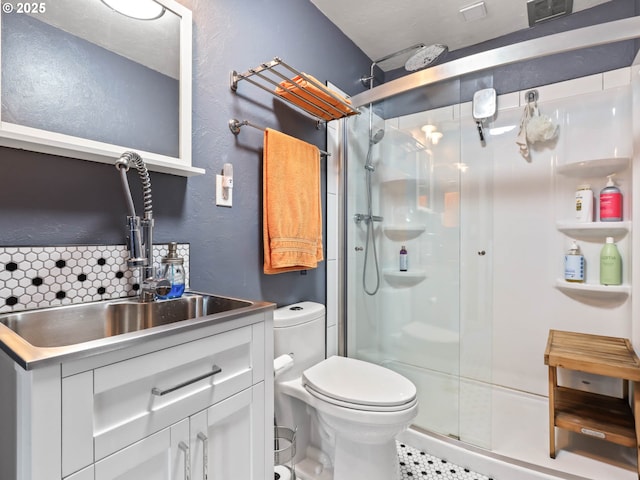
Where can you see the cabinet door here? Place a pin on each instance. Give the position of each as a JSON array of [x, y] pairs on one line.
[[161, 456], [227, 439]]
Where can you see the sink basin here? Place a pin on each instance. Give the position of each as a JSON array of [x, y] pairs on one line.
[[74, 324]]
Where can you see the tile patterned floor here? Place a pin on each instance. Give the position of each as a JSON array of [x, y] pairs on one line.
[[415, 464]]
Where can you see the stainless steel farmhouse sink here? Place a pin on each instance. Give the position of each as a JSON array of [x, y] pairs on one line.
[[72, 329]]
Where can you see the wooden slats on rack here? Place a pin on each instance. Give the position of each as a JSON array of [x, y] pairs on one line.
[[270, 74]]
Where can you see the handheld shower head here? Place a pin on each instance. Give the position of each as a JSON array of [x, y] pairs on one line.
[[375, 138], [425, 57]]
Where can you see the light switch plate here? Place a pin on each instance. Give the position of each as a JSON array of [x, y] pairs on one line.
[[220, 190]]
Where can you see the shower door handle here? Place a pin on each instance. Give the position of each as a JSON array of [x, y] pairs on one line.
[[359, 249]]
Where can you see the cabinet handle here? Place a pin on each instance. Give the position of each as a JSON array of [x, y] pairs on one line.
[[185, 448], [158, 392], [205, 455]]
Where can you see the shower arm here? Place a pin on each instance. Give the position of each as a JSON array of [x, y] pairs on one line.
[[368, 81]]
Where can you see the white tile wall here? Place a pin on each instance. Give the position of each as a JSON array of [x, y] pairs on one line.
[[38, 277]]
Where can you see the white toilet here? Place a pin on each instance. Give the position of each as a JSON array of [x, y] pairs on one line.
[[347, 412]]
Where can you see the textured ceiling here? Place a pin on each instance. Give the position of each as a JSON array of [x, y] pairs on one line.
[[381, 27]]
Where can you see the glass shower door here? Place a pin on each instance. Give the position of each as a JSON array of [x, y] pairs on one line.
[[412, 323], [431, 194]]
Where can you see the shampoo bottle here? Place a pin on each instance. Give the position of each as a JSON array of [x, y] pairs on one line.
[[584, 204], [610, 202], [173, 270], [574, 264], [404, 259], [610, 264]]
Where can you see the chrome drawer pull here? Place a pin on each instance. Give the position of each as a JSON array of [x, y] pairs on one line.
[[158, 392], [187, 459], [205, 455]]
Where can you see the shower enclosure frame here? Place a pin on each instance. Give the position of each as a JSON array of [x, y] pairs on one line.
[[601, 34]]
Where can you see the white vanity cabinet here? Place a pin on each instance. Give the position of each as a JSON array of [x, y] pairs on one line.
[[171, 409]]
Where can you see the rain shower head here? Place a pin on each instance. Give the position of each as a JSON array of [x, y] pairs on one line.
[[368, 81], [425, 57]]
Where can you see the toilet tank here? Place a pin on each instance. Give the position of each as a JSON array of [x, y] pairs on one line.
[[299, 330]]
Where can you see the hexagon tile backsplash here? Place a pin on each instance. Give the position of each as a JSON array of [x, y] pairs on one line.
[[37, 277]]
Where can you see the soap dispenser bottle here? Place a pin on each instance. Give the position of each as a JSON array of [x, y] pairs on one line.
[[173, 270], [610, 264], [610, 202], [574, 264]]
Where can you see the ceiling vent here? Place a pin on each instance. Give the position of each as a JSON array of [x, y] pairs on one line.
[[543, 10]]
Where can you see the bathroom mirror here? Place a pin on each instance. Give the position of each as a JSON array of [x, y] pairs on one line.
[[82, 80]]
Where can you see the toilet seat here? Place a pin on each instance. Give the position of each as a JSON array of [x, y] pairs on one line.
[[352, 383]]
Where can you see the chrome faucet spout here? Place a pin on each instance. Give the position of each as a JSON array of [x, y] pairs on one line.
[[140, 238]]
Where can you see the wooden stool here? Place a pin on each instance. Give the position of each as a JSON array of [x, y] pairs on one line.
[[600, 416]]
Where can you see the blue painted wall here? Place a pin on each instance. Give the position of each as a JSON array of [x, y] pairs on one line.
[[47, 200]]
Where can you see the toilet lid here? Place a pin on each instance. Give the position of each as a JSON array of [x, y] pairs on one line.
[[354, 381]]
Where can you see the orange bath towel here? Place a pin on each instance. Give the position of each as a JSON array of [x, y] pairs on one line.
[[292, 212], [314, 99]]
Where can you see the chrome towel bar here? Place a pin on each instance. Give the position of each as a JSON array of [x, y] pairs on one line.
[[235, 125]]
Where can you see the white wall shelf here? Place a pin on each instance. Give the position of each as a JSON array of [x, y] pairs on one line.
[[401, 232], [593, 230], [593, 290], [399, 279], [600, 167]]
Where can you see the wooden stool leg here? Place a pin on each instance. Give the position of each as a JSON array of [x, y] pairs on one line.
[[553, 382], [636, 416]]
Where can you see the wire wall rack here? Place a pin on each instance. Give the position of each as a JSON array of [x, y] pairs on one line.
[[296, 88]]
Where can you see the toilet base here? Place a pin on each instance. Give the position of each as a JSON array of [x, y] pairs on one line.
[[358, 461]]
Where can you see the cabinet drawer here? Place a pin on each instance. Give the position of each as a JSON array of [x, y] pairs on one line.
[[142, 395]]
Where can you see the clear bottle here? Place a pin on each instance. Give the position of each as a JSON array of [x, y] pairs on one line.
[[584, 204], [173, 270], [404, 259], [610, 264], [610, 202], [574, 265]]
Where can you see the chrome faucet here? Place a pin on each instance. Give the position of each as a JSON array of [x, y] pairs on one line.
[[140, 245]]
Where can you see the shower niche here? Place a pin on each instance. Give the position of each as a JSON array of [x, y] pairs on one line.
[[591, 154], [403, 173]]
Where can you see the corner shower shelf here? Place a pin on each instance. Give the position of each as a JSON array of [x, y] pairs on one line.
[[400, 232], [399, 279], [594, 230], [306, 94], [600, 167], [594, 291]]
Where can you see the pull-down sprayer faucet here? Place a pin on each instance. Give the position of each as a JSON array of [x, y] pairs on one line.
[[140, 245]]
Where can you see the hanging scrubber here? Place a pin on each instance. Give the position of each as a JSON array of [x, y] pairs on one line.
[[534, 127]]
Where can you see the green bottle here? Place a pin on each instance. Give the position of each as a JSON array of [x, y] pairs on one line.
[[610, 264]]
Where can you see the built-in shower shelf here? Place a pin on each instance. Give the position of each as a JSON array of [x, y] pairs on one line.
[[399, 279], [594, 291], [600, 167], [594, 230], [400, 232]]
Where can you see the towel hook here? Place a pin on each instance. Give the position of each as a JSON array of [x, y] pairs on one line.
[[531, 96]]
